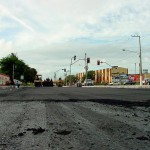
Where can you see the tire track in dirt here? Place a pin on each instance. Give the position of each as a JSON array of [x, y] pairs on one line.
[[119, 133]]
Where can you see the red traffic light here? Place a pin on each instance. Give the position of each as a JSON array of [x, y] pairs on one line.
[[88, 60], [98, 62]]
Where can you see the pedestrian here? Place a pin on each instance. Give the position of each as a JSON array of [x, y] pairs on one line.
[[17, 84]]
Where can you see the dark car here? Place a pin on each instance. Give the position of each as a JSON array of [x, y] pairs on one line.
[[148, 82]]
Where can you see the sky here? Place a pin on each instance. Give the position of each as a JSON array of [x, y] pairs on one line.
[[46, 34]]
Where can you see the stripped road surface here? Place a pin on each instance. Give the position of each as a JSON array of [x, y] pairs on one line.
[[63, 118]]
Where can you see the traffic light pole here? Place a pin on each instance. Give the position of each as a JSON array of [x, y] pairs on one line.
[[70, 67], [13, 71], [140, 56], [86, 69]]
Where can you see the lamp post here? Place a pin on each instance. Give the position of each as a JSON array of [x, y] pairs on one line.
[[140, 68], [13, 71], [74, 57], [66, 77], [86, 69], [140, 56], [57, 71]]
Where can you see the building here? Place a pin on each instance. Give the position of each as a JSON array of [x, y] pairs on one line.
[[147, 76], [4, 79], [117, 71], [106, 75], [79, 76]]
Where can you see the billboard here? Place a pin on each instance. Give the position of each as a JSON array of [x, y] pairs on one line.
[[145, 71], [135, 77]]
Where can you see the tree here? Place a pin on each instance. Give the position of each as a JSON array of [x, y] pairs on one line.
[[13, 65], [29, 74], [90, 75], [73, 79]]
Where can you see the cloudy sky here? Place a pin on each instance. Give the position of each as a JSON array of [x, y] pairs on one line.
[[46, 34]]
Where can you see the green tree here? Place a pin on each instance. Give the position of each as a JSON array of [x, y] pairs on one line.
[[90, 75], [12, 63], [29, 74], [73, 79]]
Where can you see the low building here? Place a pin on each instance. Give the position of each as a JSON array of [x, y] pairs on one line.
[[106, 75], [4, 79], [147, 75], [117, 71]]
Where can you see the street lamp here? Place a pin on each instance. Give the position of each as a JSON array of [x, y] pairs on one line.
[[13, 71], [74, 57], [140, 63], [140, 58], [57, 71]]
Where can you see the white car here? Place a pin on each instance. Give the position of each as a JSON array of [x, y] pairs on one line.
[[88, 82]]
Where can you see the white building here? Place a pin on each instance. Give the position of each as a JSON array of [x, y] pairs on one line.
[[4, 79]]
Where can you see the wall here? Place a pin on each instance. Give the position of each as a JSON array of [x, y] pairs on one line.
[[3, 79]]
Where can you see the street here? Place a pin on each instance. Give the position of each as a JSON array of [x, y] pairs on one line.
[[52, 118]]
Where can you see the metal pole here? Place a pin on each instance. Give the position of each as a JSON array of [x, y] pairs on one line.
[[140, 56], [85, 70], [140, 63], [66, 78], [13, 71], [135, 68], [55, 76], [70, 71]]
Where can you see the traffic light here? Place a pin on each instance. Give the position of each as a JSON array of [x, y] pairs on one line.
[[88, 60], [64, 70], [74, 57], [98, 62]]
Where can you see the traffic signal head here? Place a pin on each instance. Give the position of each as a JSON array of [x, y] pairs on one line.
[[88, 60], [98, 62], [74, 57], [64, 70]]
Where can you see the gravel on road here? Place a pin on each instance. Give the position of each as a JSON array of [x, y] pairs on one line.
[[29, 123]]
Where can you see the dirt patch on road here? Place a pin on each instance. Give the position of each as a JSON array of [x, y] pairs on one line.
[[101, 101]]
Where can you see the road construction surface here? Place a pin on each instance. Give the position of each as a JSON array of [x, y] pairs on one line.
[[74, 118]]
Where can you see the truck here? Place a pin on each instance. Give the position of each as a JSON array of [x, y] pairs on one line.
[[59, 82], [38, 81]]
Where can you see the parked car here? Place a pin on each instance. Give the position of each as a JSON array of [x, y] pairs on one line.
[[130, 82], [111, 83], [88, 82], [146, 82], [114, 83], [79, 84]]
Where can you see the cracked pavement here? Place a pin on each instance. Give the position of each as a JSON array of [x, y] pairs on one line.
[[74, 118]]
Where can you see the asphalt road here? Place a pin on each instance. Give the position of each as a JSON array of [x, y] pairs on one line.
[[74, 118]]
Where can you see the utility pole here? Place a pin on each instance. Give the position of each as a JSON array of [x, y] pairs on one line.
[[70, 72], [13, 71], [70, 67], [86, 68], [135, 68], [55, 76], [140, 56]]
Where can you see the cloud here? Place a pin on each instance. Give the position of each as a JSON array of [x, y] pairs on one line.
[[7, 13], [46, 34], [5, 47]]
